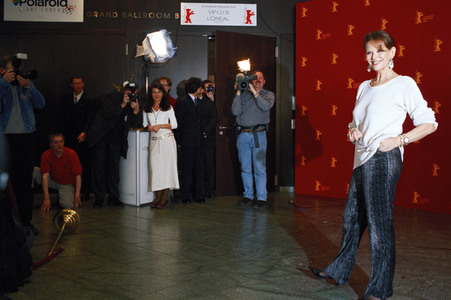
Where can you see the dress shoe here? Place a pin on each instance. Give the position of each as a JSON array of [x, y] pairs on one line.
[[33, 229], [85, 197], [260, 203], [317, 273], [245, 201], [369, 297], [186, 201], [115, 202], [201, 201], [97, 204], [162, 205]]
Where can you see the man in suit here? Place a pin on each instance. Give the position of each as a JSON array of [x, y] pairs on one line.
[[107, 138], [209, 121], [189, 135], [73, 122]]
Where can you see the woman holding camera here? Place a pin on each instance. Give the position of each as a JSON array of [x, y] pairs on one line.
[[159, 119]]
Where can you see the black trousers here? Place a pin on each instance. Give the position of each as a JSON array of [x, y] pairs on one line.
[[84, 155], [370, 204], [105, 157], [21, 165], [193, 173], [210, 169]]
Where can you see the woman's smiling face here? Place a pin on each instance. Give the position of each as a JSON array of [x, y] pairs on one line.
[[378, 55]]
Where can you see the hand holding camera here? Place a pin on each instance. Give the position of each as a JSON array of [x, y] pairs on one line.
[[9, 76], [22, 81], [22, 77]]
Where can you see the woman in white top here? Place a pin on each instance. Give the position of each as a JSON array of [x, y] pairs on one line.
[[159, 119], [376, 131]]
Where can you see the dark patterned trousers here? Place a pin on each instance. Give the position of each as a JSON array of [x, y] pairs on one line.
[[370, 204]]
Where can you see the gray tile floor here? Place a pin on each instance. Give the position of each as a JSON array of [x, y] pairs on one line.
[[222, 251]]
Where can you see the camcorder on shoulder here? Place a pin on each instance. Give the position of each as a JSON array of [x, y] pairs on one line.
[[17, 63], [243, 80]]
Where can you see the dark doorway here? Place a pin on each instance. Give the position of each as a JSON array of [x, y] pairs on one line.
[[230, 48]]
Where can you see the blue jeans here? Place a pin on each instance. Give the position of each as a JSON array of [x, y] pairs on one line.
[[250, 156]]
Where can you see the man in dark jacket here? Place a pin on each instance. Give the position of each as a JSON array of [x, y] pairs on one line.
[[190, 112], [208, 123], [73, 121], [107, 136]]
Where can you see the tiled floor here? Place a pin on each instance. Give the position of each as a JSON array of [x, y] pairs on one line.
[[222, 251]]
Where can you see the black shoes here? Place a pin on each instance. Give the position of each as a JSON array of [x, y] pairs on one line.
[[317, 273], [34, 230], [186, 201], [97, 204], [245, 201], [259, 203], [201, 201], [115, 202], [85, 197]]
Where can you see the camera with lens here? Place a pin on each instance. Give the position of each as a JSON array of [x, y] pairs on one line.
[[243, 81], [17, 63], [132, 87], [210, 88]]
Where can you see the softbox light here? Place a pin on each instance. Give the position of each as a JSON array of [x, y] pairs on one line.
[[157, 47]]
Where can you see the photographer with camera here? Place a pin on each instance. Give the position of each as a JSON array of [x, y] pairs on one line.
[[107, 138], [18, 99], [251, 106]]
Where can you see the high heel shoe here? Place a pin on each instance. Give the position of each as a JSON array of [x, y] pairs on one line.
[[369, 297], [317, 273]]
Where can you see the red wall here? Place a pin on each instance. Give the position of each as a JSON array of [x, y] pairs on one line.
[[330, 64]]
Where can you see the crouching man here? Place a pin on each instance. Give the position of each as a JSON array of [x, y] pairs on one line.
[[60, 170]]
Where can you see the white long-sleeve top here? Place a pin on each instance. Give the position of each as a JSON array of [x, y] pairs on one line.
[[380, 112], [160, 117]]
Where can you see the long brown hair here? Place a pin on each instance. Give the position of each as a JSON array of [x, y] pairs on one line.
[[164, 103]]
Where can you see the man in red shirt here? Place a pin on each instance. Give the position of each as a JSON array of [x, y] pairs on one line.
[[60, 170]]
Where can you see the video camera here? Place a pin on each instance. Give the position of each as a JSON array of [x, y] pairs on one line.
[[243, 80], [17, 62], [132, 87]]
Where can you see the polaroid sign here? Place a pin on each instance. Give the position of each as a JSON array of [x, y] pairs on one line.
[[215, 14], [43, 10]]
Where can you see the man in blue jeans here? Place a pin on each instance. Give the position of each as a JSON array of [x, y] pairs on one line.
[[252, 107], [19, 97]]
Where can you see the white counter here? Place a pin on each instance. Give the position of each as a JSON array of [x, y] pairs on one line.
[[133, 170]]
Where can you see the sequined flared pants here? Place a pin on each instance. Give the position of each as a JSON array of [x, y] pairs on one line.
[[370, 204]]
